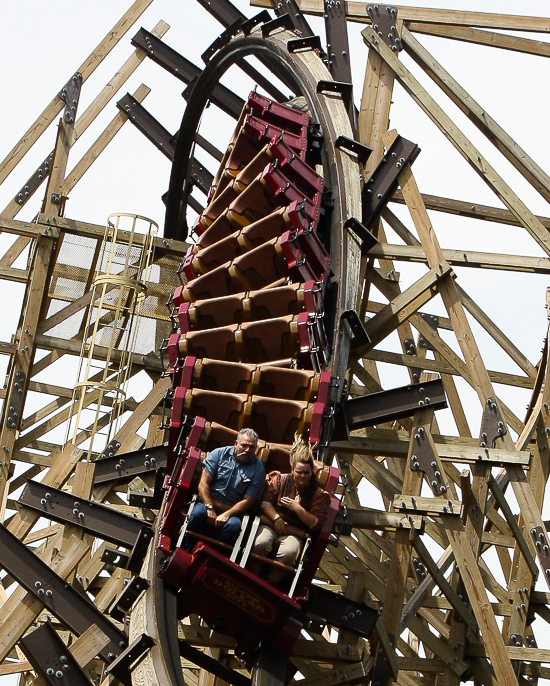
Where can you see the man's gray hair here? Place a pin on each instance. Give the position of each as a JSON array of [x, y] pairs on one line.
[[248, 432]]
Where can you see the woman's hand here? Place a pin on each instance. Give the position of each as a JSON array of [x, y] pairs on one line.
[[292, 504]]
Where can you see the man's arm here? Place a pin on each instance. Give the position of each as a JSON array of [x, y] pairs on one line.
[[205, 496], [236, 510]]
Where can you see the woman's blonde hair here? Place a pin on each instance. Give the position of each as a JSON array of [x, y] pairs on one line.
[[301, 452]]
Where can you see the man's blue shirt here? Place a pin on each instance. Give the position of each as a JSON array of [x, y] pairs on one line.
[[232, 480]]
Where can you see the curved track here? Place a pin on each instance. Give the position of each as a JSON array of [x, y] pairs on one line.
[[155, 612]]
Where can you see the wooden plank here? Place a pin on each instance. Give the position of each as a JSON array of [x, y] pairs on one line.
[[355, 11], [465, 258], [26, 346], [477, 37], [481, 607], [439, 366], [86, 69], [469, 209], [461, 142]]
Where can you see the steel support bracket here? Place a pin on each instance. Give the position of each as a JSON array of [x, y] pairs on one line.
[[122, 667], [138, 552], [299, 22], [383, 19], [150, 501], [337, 39], [359, 335], [100, 520], [334, 609], [70, 94], [73, 609], [115, 558], [306, 43], [129, 465], [250, 24], [283, 21], [433, 321], [34, 181], [13, 409], [492, 424], [110, 450], [383, 182], [410, 349], [368, 241], [50, 657], [540, 538], [128, 596], [386, 406], [424, 459], [362, 151], [344, 88]]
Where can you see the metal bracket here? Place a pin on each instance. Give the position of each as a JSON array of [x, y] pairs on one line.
[[34, 181], [283, 21], [492, 424], [110, 450], [299, 22], [15, 401], [368, 241], [540, 539], [121, 668], [250, 24], [222, 40], [424, 459], [70, 94], [301, 44], [410, 349], [381, 185], [50, 657], [137, 555], [129, 465], [100, 520], [359, 335], [433, 321], [344, 89], [151, 501], [332, 608], [383, 22], [72, 609], [116, 558], [337, 39], [362, 151], [395, 403], [128, 596]]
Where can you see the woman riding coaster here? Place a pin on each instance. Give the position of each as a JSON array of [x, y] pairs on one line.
[[292, 506]]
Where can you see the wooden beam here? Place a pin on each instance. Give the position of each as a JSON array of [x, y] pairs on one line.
[[355, 11]]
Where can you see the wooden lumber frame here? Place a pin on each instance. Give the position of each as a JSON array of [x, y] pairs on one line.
[[426, 636]]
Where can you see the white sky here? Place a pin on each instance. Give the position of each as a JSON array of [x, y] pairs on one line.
[[43, 43]]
